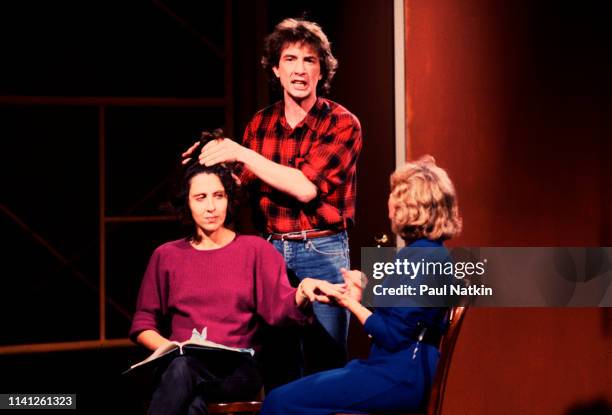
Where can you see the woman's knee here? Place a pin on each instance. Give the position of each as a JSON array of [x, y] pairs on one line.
[[179, 370]]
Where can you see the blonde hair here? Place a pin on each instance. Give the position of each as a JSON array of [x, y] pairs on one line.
[[424, 202]]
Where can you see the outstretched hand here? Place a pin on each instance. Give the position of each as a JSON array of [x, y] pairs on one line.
[[318, 290], [221, 150], [350, 296], [188, 155], [347, 295], [355, 282]]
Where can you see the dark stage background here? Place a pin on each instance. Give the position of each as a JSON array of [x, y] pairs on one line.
[[98, 99]]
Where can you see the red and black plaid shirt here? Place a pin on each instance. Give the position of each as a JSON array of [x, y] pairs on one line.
[[325, 146]]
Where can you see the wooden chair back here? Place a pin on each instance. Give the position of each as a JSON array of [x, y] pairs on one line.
[[447, 348]]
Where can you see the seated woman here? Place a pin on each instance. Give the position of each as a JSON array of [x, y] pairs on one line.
[[399, 371], [219, 280]]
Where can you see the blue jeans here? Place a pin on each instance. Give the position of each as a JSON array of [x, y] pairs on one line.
[[324, 344]]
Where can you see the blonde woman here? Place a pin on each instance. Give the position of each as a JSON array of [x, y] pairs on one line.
[[398, 373]]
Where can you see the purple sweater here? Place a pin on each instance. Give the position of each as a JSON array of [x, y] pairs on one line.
[[225, 289]]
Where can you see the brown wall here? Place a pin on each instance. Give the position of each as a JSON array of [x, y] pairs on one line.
[[513, 99]]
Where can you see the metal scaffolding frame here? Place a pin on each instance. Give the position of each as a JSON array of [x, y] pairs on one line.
[[102, 103]]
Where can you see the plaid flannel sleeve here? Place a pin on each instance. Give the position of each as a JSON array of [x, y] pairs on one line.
[[334, 155]]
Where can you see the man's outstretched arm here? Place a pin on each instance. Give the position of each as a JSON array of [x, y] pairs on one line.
[[286, 179]]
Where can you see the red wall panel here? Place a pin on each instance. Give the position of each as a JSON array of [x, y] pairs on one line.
[[513, 99]]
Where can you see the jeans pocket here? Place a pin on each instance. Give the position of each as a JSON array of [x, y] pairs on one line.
[[327, 246]]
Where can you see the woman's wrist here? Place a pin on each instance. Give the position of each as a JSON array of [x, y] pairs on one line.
[[359, 311], [300, 296]]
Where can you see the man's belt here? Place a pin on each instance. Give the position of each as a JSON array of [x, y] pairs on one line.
[[303, 235]]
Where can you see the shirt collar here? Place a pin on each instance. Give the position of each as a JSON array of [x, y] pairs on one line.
[[312, 118], [315, 114]]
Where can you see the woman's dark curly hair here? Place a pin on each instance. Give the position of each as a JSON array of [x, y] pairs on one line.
[[300, 31], [192, 169]]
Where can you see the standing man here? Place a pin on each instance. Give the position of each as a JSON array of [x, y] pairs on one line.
[[299, 159]]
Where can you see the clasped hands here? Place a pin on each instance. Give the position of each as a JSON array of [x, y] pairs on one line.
[[343, 294]]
